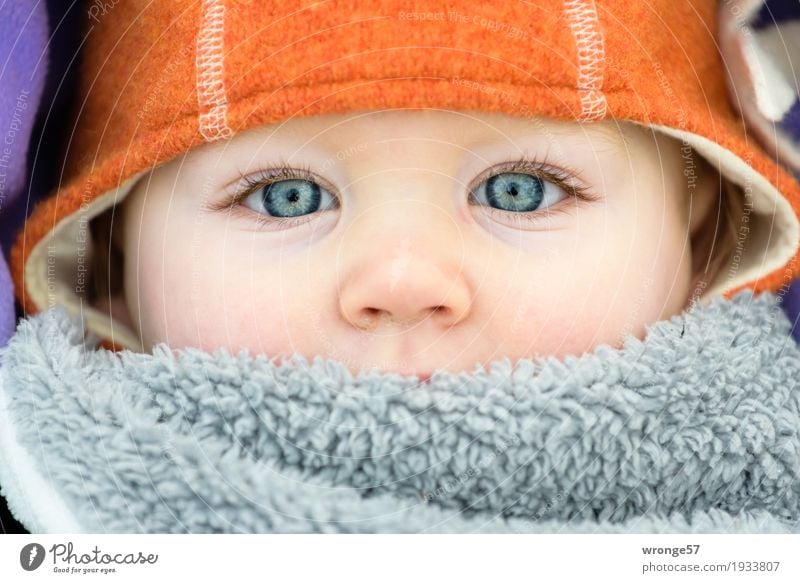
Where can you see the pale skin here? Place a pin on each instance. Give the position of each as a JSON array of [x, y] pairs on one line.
[[404, 274]]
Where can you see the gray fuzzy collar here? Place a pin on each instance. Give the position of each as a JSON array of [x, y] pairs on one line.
[[694, 429]]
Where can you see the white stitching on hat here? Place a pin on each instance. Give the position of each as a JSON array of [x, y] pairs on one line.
[[585, 26], [209, 67]]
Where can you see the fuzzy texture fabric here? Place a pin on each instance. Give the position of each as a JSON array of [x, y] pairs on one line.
[[694, 429]]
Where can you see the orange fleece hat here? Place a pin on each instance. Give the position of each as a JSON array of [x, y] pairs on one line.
[[160, 78]]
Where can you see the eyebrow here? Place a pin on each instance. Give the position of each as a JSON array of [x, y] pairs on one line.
[[610, 132]]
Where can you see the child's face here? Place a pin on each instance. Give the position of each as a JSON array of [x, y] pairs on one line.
[[395, 268]]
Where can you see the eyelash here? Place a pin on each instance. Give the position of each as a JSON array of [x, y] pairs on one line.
[[561, 177], [262, 178]]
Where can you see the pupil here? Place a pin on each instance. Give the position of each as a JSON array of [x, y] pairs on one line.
[[515, 191]]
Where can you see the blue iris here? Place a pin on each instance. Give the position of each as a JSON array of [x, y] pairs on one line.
[[514, 191], [291, 198]]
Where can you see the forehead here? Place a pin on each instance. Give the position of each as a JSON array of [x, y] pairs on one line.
[[464, 128]]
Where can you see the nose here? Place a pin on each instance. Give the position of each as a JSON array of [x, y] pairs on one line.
[[405, 276]]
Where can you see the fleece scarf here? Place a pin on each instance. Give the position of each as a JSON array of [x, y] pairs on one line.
[[695, 428]]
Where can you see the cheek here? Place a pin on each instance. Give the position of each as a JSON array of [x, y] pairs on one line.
[[559, 299], [195, 281], [594, 285], [563, 314], [224, 291]]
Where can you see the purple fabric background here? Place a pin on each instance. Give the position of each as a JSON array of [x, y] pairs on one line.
[[38, 46], [23, 67], [773, 11]]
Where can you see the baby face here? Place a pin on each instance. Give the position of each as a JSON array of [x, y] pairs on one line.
[[410, 240]]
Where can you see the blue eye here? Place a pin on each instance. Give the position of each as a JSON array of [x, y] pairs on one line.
[[288, 198], [283, 197], [518, 192]]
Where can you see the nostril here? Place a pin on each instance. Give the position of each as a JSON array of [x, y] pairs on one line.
[[370, 315], [369, 318]]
